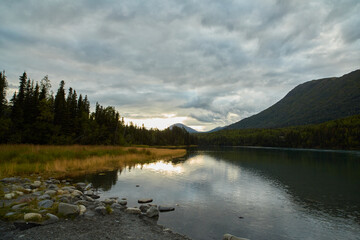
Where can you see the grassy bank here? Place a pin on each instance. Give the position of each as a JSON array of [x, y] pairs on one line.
[[60, 161]]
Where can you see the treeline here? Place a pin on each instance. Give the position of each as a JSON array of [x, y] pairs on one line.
[[337, 134], [34, 115]]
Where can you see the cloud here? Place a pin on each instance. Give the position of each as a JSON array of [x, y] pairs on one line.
[[213, 62]]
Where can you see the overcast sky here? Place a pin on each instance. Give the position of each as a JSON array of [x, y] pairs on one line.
[[204, 63]]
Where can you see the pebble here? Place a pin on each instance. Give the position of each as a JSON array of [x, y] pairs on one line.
[[146, 200], [82, 209], [44, 196], [231, 237], [45, 203], [10, 195], [67, 209], [50, 192], [18, 206], [101, 210], [133, 210], [166, 208], [152, 212], [144, 208], [32, 217], [51, 218]]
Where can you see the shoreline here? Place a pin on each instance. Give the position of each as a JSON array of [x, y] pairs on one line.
[[53, 209]]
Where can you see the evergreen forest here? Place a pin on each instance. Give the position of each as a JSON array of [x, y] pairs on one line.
[[336, 134], [35, 116]]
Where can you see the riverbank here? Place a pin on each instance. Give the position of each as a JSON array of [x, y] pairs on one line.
[[74, 160], [53, 209]]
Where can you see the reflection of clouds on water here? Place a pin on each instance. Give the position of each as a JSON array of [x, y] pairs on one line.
[[162, 167]]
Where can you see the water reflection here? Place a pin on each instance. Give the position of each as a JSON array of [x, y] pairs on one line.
[[162, 167], [279, 194]]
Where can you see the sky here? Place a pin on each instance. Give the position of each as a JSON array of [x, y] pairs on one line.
[[204, 63]]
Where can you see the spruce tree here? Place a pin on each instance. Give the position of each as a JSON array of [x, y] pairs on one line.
[[3, 87], [60, 105]]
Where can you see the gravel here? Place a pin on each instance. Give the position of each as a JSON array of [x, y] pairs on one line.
[[118, 225]]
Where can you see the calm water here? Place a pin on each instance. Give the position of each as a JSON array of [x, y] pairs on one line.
[[254, 193]]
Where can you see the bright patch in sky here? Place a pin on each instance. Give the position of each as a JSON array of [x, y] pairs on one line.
[[159, 123]]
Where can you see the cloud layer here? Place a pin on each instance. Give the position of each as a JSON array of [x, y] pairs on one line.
[[213, 62]]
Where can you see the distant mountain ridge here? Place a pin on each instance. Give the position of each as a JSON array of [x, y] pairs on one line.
[[312, 102], [180, 125], [191, 130]]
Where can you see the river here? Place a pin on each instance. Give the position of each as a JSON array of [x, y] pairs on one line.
[[255, 193]]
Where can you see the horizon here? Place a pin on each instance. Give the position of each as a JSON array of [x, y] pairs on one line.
[[202, 64]]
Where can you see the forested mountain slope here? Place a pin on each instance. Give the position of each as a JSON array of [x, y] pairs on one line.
[[312, 102]]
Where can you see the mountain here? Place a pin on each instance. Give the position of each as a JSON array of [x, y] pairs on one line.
[[180, 125], [312, 102], [215, 129]]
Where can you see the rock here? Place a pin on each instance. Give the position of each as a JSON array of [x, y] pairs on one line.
[[116, 206], [89, 214], [122, 202], [27, 190], [52, 187], [9, 214], [166, 208], [89, 192], [61, 192], [82, 209], [80, 185], [89, 199], [231, 237], [152, 212], [144, 208], [36, 184], [137, 185], [109, 201], [51, 192], [37, 193], [10, 180], [95, 196], [19, 193], [67, 209], [26, 199], [101, 210], [44, 196], [49, 181], [18, 206], [88, 187], [64, 199], [70, 189], [17, 188], [82, 202], [32, 217], [9, 195], [133, 210], [45, 203], [146, 200], [76, 193], [51, 218]]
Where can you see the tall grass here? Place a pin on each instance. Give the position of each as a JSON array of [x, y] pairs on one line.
[[59, 161]]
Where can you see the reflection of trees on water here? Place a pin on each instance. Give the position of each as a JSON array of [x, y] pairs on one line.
[[317, 180], [104, 180]]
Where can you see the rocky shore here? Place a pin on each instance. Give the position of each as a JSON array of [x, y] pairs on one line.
[[54, 209]]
